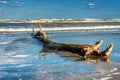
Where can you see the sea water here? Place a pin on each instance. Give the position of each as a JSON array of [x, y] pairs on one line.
[[21, 56]]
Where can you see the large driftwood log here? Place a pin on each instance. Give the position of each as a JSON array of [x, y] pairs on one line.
[[81, 49]]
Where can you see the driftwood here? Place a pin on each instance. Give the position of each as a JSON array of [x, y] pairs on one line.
[[83, 50]]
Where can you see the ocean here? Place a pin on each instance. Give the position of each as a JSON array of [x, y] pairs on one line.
[[21, 56]]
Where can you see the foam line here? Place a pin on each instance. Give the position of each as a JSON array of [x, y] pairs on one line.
[[58, 28]]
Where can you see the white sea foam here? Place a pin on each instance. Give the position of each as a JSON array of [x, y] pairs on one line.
[[103, 78], [116, 73], [81, 28], [10, 53], [20, 56], [6, 42], [106, 78], [114, 69], [23, 65], [59, 28]]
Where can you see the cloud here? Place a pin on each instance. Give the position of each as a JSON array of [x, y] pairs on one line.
[[91, 5], [39, 7], [15, 4], [3, 1]]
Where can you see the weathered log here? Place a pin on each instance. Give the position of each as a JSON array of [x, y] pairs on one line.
[[81, 49]]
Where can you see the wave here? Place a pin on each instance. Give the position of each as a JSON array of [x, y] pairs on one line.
[[4, 43], [20, 56], [82, 28], [60, 20], [49, 29]]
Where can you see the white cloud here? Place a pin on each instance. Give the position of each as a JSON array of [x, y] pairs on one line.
[[17, 4], [91, 5], [40, 7], [3, 1]]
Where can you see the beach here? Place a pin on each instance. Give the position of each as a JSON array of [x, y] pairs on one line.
[[21, 56], [79, 22]]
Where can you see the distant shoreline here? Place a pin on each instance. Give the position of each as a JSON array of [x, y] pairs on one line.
[[87, 20]]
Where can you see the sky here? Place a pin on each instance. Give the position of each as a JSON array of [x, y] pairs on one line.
[[27, 9]]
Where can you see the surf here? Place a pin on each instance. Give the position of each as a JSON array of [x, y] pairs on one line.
[[63, 29]]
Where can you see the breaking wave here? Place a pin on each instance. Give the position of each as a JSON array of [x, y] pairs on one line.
[[62, 29]]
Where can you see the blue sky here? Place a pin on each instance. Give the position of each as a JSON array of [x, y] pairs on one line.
[[59, 9]]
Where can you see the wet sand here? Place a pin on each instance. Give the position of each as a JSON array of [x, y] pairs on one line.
[[21, 58]]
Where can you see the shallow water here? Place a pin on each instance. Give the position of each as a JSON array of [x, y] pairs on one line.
[[21, 58]]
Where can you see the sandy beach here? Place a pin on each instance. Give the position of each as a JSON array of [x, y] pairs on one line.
[[22, 57]]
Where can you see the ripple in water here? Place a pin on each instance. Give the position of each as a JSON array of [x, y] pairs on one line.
[[21, 59]]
